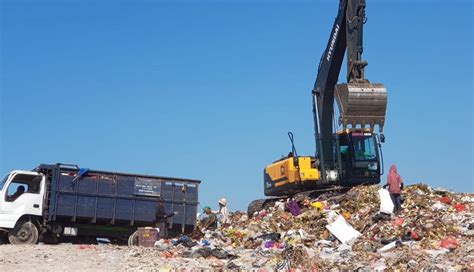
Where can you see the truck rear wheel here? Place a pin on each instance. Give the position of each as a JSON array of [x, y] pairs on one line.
[[50, 239], [24, 233], [3, 238]]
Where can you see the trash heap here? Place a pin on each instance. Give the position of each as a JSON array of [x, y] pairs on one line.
[[434, 231]]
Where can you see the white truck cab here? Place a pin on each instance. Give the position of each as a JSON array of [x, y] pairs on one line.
[[21, 198]]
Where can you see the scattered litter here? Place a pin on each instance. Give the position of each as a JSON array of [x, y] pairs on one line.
[[390, 246], [440, 206], [445, 200], [450, 243], [354, 230], [342, 230], [459, 207], [88, 247], [398, 222]]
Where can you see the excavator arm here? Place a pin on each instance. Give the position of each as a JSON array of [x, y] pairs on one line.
[[355, 19], [323, 90], [360, 102]]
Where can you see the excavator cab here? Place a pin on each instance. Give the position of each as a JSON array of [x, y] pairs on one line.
[[359, 157], [360, 105]]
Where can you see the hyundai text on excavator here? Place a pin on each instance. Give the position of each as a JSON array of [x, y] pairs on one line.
[[353, 155]]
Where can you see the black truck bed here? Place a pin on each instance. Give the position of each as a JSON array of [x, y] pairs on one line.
[[94, 197]]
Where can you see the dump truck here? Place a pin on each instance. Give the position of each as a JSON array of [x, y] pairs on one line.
[[56, 201], [351, 155]]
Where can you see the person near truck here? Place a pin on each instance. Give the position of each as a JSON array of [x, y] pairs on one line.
[[161, 217], [395, 185]]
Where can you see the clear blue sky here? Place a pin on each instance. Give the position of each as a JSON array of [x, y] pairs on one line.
[[209, 90]]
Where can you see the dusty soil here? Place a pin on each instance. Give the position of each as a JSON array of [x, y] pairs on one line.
[[61, 258], [69, 257]]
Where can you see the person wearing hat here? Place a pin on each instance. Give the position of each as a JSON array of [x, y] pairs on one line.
[[210, 220], [223, 212]]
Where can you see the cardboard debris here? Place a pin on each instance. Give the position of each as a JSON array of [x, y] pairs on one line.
[[342, 230]]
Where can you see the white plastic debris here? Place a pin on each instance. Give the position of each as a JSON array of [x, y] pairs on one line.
[[393, 244], [420, 192], [280, 206], [161, 245], [388, 247], [302, 234], [327, 253], [323, 242], [436, 253], [379, 265], [343, 231], [467, 199], [386, 204], [332, 216], [438, 206]]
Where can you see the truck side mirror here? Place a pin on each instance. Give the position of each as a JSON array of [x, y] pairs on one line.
[[382, 138]]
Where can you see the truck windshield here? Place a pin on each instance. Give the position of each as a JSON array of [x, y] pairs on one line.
[[3, 181], [364, 147]]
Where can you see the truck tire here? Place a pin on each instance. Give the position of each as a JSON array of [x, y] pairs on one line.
[[50, 238], [3, 238], [24, 233], [133, 239]]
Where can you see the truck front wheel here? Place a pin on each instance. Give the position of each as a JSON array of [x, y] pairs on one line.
[[24, 233]]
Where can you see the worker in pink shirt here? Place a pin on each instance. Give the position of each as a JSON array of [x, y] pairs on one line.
[[395, 185]]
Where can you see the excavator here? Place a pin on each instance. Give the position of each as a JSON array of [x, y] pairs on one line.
[[346, 157]]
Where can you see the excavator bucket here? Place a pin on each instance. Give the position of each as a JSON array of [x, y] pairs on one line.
[[361, 104]]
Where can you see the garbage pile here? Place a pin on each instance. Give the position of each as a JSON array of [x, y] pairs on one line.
[[434, 231]]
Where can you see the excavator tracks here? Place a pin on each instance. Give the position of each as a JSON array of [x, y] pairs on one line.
[[316, 193], [260, 204]]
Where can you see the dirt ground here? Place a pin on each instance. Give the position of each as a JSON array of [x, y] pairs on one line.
[[73, 257], [61, 257], [70, 257]]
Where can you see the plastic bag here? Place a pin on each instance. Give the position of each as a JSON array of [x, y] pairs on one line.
[[386, 204]]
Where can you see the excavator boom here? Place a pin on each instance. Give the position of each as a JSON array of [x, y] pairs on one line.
[[360, 102]]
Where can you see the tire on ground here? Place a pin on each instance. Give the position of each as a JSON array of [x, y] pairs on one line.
[[133, 239], [25, 232], [50, 238], [3, 238]]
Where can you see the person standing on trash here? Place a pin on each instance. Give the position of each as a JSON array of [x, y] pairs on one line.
[[223, 212], [210, 221], [395, 185]]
